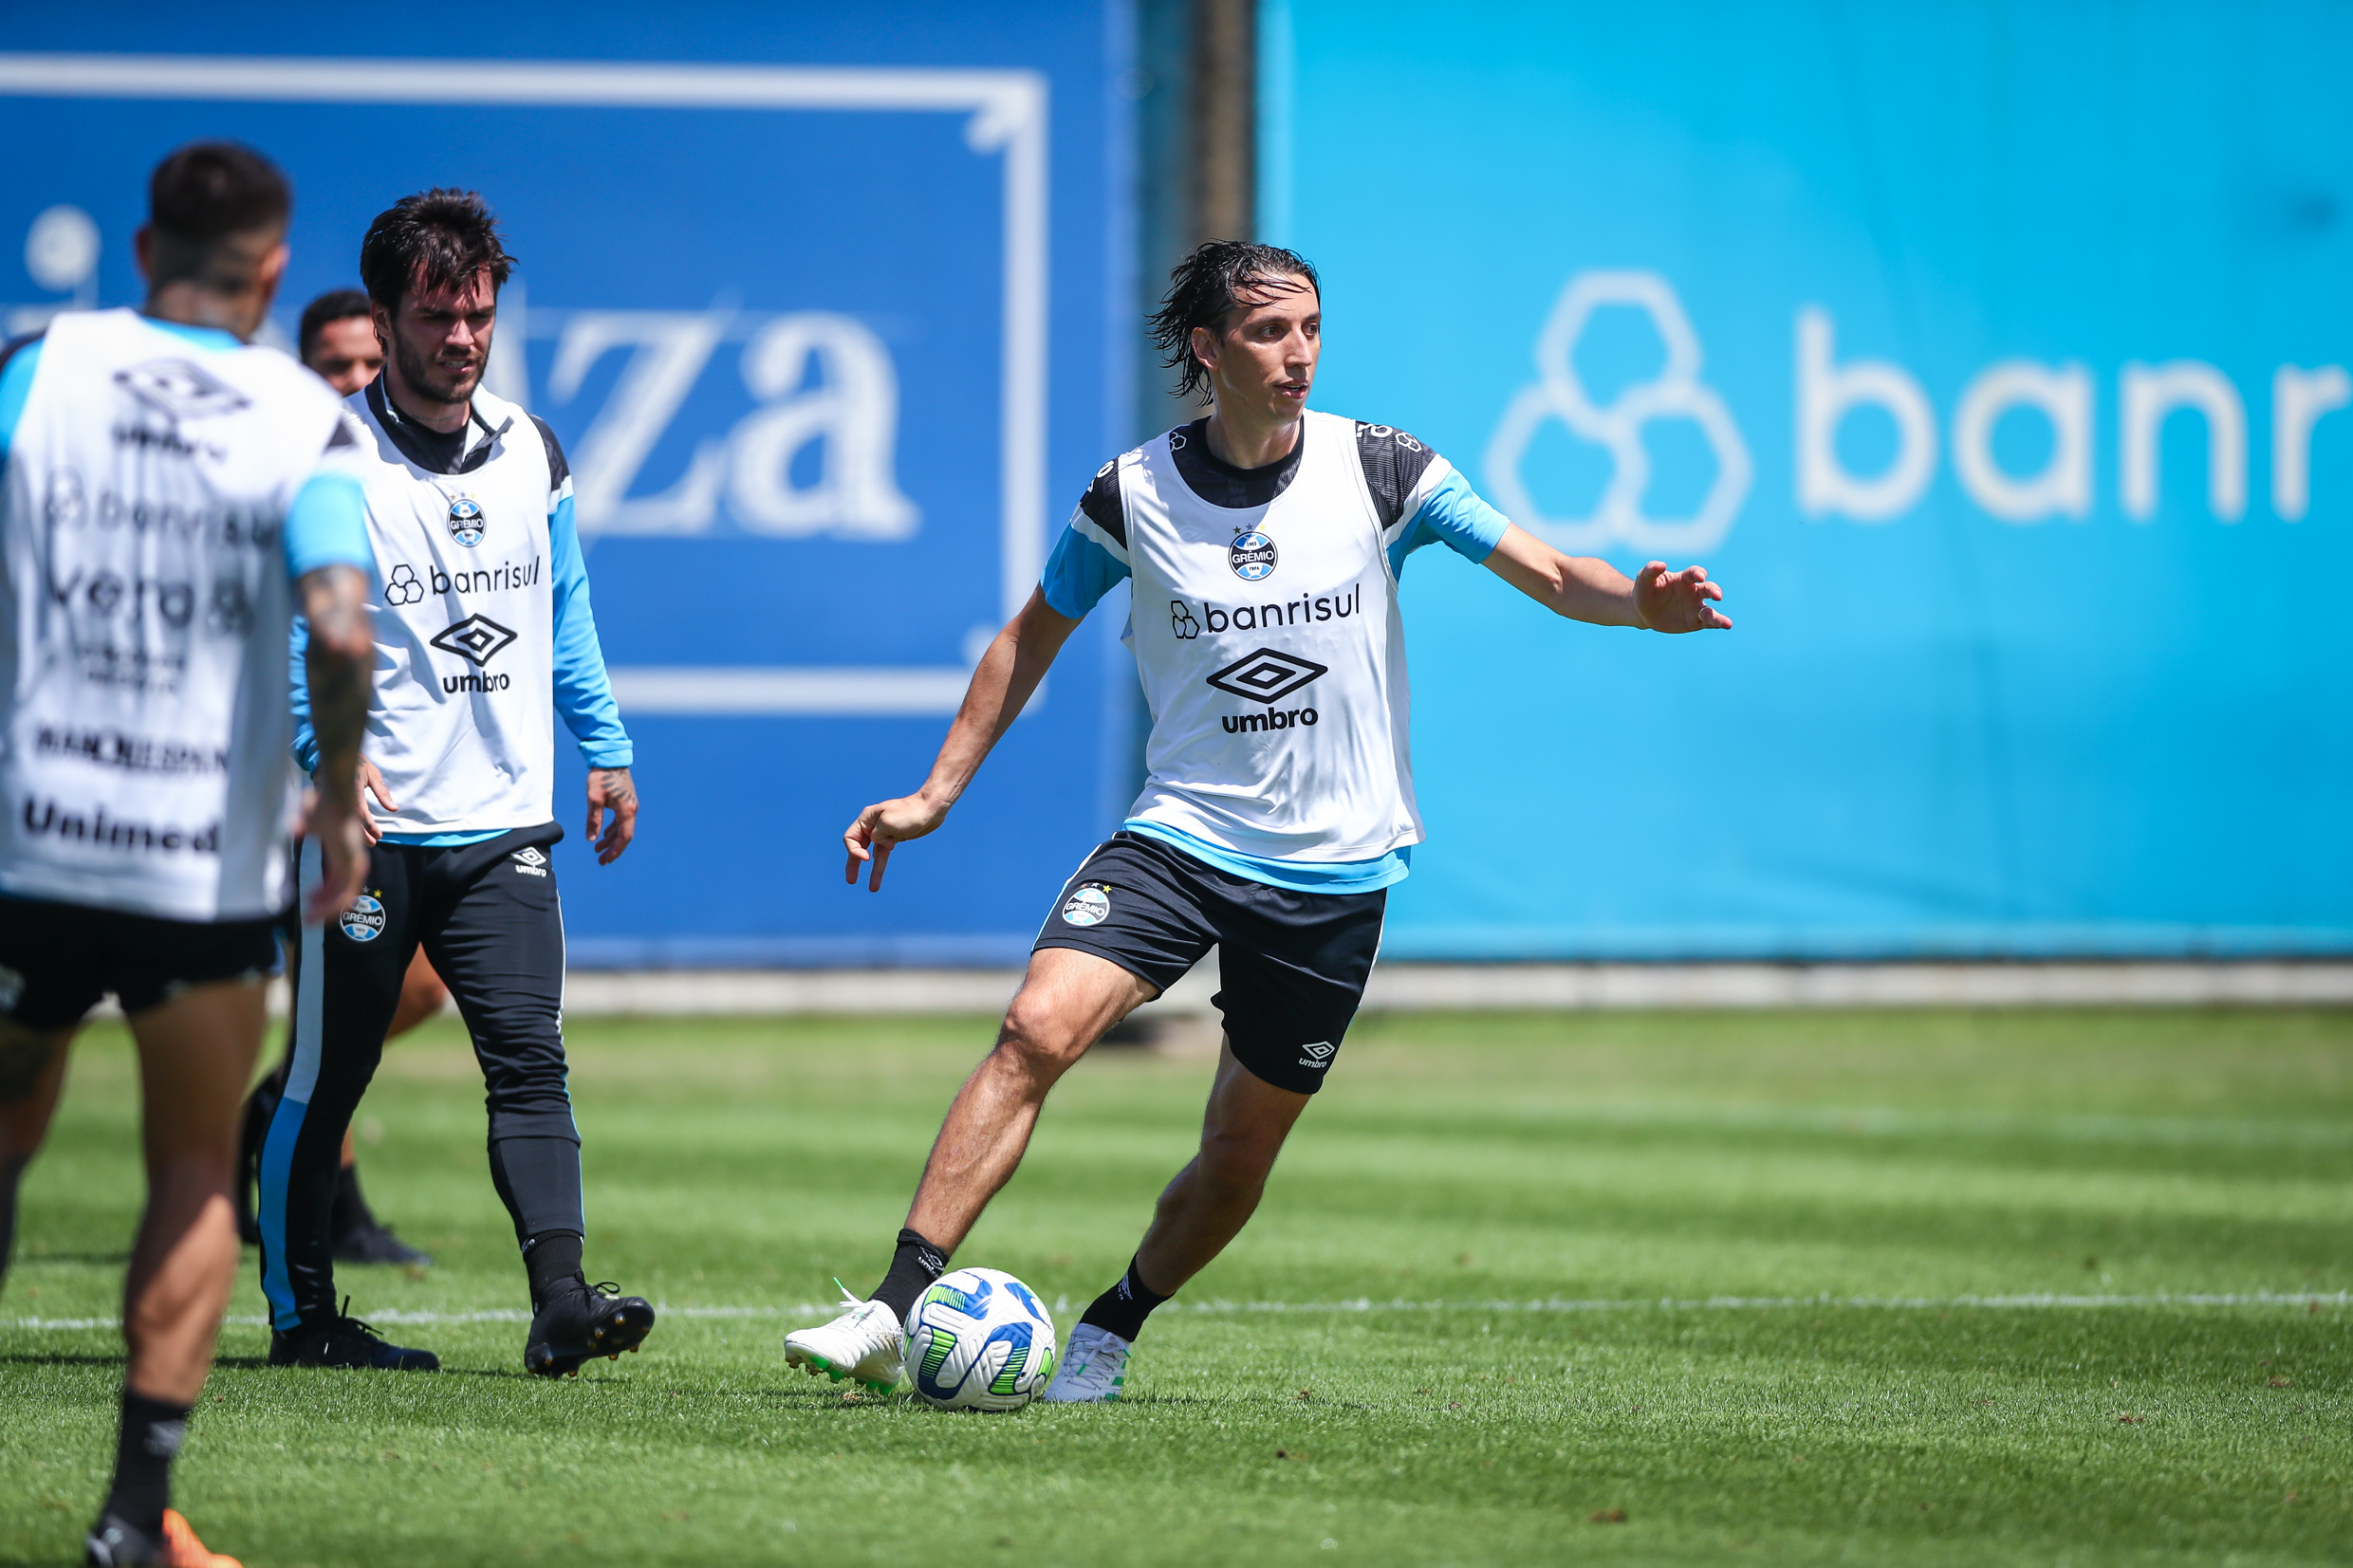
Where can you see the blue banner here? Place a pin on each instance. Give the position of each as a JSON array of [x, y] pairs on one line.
[[1992, 356], [820, 304]]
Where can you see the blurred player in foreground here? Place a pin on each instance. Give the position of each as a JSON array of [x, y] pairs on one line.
[[484, 635], [337, 339], [1264, 542], [146, 780]]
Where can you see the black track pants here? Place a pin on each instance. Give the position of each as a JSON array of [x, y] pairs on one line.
[[488, 917]]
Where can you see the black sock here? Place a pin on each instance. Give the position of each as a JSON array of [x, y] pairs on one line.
[[913, 1266], [151, 1433], [350, 1212], [551, 1258], [1123, 1309]]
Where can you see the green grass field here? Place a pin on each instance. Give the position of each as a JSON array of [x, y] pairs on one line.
[[1918, 1288]]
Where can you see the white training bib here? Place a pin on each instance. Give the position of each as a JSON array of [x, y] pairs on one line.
[[462, 723], [143, 629], [1272, 658]]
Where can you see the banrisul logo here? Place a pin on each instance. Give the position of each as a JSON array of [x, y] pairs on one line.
[[1252, 556]]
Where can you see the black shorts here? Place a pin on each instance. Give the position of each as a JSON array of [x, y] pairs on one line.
[[57, 959], [1293, 963]]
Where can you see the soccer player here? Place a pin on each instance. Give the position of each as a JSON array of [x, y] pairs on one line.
[[169, 491], [1265, 543], [337, 339], [483, 635]]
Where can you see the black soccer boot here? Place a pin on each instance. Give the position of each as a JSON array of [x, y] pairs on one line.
[[579, 1320], [345, 1342]]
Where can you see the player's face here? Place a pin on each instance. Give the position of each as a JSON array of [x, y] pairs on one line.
[[1264, 358], [346, 354], [440, 339]]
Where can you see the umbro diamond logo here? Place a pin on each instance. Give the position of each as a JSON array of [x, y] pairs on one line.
[[180, 389], [529, 861], [1319, 1056], [1267, 676], [478, 639]]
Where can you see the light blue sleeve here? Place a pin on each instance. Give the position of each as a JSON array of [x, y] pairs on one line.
[[1454, 516], [1078, 573], [327, 525], [305, 738], [584, 690], [15, 385]]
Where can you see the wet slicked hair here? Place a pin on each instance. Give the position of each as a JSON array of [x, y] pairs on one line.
[[1206, 287], [434, 240], [203, 194]]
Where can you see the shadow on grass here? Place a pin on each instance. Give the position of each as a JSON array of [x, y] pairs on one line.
[[59, 1358], [26, 1259]]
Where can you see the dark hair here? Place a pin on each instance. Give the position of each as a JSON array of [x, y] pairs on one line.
[[1206, 287], [435, 239], [336, 304], [201, 195]]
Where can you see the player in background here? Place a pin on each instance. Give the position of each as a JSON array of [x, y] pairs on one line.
[[1265, 543], [145, 789], [337, 338], [483, 635]]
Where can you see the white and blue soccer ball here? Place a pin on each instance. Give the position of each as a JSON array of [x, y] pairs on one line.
[[979, 1340]]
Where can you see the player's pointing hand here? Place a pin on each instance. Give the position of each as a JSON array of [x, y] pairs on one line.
[[881, 827], [1678, 601]]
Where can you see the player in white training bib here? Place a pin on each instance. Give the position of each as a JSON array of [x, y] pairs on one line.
[[170, 494], [1265, 543]]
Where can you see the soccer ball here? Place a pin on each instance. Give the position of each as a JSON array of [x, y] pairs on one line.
[[979, 1340]]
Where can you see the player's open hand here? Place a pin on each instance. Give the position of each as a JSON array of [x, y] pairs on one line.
[[1678, 601], [614, 788], [881, 827], [371, 782], [342, 855]]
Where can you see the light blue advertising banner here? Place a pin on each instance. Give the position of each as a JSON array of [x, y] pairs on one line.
[[818, 304], [1992, 356]]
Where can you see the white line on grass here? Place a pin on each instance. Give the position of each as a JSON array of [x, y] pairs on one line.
[[2035, 1301]]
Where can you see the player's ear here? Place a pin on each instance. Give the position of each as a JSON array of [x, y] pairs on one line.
[[1204, 344]]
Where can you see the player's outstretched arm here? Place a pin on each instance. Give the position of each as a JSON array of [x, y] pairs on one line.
[[1008, 674], [1587, 589], [337, 663]]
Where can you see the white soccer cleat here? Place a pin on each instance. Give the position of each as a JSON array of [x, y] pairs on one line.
[[866, 1344], [1093, 1366]]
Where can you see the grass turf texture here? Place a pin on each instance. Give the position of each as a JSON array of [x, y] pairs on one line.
[[1604, 1165]]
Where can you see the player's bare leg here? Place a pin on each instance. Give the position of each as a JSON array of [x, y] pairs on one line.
[[32, 1075], [195, 1053], [1066, 1002], [1213, 1197], [1200, 1212]]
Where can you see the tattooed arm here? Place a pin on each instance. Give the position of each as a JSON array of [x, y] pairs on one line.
[[337, 664]]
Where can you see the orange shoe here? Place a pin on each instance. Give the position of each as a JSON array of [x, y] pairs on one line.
[[181, 1549], [112, 1543]]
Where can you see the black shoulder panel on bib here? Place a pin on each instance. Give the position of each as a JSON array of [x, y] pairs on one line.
[[1101, 502], [17, 346], [1221, 483], [1394, 464], [558, 470]]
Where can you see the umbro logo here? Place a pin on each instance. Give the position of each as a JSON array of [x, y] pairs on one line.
[[182, 390], [529, 862], [1267, 676], [478, 639], [1319, 1056]]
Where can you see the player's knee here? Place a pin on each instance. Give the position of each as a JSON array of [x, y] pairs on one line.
[[1238, 1160], [1038, 1039]]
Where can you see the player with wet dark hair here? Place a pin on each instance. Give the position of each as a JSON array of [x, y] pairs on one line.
[[1265, 542], [485, 635]]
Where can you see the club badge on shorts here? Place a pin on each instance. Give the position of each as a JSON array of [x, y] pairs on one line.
[[1252, 556], [1089, 906], [365, 920]]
